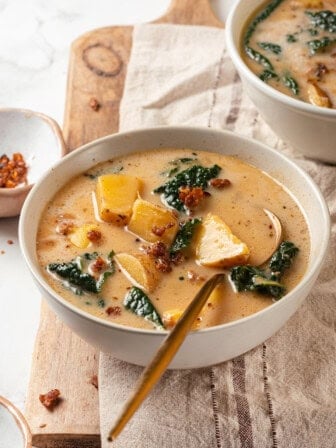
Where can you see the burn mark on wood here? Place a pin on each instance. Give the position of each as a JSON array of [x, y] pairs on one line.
[[102, 60]]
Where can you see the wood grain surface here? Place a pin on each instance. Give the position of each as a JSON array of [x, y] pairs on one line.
[[97, 70]]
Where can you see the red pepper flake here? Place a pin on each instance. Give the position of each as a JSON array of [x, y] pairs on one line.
[[50, 399], [113, 311], [10, 242]]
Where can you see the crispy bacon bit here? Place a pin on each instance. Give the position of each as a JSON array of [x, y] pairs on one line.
[[113, 311], [94, 104], [177, 258], [191, 196], [94, 236], [94, 381], [12, 172], [193, 277], [163, 265], [98, 265], [160, 230], [220, 183], [161, 255], [50, 399], [64, 227]]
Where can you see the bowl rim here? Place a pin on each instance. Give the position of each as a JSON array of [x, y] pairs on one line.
[[234, 53], [20, 421], [308, 276], [8, 192]]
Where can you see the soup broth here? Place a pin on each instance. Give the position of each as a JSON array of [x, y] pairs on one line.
[[291, 45], [237, 197]]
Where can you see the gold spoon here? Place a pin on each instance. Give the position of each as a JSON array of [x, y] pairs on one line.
[[172, 343], [164, 355]]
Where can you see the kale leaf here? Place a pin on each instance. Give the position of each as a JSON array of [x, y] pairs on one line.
[[184, 235], [319, 44], [273, 48], [291, 38], [266, 12], [266, 281], [139, 303], [267, 75], [282, 258], [291, 84], [325, 20], [195, 176], [75, 276], [258, 57]]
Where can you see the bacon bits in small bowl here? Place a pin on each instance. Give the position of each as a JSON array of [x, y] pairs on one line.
[[30, 143]]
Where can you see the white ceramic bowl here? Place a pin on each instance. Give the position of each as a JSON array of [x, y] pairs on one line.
[[308, 128], [39, 139], [204, 347]]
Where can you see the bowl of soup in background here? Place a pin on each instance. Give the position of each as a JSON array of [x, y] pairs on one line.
[[308, 128], [206, 346]]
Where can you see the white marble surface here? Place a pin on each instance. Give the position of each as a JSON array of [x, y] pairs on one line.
[[35, 36]]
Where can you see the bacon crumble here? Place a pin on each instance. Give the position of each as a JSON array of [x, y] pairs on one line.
[[192, 196], [13, 172], [113, 311], [220, 183], [50, 399], [94, 235]]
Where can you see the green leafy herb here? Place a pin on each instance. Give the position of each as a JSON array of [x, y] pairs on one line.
[[74, 275], [291, 84], [101, 303], [283, 258], [325, 20], [312, 31], [266, 75], [273, 48], [317, 45], [139, 303], [266, 281], [195, 176], [291, 38], [101, 171], [184, 235], [258, 58], [266, 12], [177, 165]]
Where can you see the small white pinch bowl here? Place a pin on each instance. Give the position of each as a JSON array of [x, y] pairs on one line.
[[309, 129], [39, 139], [207, 346], [14, 427]]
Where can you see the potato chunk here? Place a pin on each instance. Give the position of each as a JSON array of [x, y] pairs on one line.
[[139, 268], [317, 96], [153, 223], [115, 195], [79, 236], [216, 245]]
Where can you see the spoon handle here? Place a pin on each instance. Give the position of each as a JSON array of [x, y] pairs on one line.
[[164, 355]]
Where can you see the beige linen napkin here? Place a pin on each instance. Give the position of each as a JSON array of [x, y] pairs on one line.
[[282, 393]]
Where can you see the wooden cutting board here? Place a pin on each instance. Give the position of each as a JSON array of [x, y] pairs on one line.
[[97, 70]]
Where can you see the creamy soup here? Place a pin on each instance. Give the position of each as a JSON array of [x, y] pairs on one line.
[[147, 249], [291, 45]]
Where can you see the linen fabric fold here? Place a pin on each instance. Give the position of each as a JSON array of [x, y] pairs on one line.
[[282, 393]]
